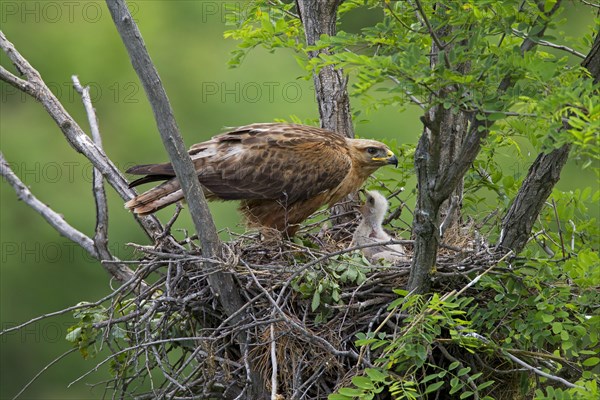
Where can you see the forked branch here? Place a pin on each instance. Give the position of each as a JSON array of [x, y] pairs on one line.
[[34, 85]]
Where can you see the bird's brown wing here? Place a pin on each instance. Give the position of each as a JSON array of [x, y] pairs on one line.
[[272, 161]]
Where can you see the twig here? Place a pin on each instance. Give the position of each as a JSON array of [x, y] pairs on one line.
[[589, 3], [546, 43], [411, 96], [169, 224], [73, 308], [310, 337], [393, 13], [469, 380], [449, 216], [560, 235], [139, 346], [52, 314], [36, 88], [55, 219], [432, 32], [119, 271], [248, 370], [273, 360], [101, 231], [57, 359], [540, 372]]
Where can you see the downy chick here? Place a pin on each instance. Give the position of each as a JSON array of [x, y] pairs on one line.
[[370, 231]]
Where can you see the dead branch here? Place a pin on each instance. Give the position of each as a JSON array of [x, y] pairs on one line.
[[55, 219], [220, 282], [34, 85], [101, 231]]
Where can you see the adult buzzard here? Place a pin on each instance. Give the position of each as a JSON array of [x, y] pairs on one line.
[[282, 173]]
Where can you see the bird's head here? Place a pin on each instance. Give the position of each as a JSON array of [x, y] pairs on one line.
[[371, 154], [374, 208]]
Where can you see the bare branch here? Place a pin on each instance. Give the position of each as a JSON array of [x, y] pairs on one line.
[[589, 3], [53, 314], [119, 271], [46, 367], [540, 372], [101, 233], [36, 88], [546, 43], [273, 360], [167, 126], [220, 282], [52, 217]]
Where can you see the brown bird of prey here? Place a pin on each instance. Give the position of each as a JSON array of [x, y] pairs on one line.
[[370, 231], [282, 173]]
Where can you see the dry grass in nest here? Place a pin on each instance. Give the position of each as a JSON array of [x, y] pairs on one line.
[[180, 328]]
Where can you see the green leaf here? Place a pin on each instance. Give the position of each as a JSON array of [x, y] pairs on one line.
[[363, 382], [557, 327], [376, 375], [433, 387], [508, 182], [485, 384], [454, 365], [590, 362], [547, 318], [337, 396], [548, 4], [495, 116], [316, 301], [351, 392], [456, 385], [74, 334]]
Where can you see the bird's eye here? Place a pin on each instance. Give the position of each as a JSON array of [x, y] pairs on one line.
[[372, 150], [371, 200]]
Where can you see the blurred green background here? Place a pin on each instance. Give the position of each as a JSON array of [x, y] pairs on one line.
[[42, 272]]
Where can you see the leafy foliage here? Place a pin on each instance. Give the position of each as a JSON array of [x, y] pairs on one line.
[[543, 305], [324, 285], [527, 327]]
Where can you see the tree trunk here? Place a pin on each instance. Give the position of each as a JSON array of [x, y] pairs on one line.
[[221, 283], [541, 178], [319, 17], [438, 149], [537, 186], [436, 183]]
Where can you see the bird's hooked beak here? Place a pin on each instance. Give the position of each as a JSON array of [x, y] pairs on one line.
[[390, 158]]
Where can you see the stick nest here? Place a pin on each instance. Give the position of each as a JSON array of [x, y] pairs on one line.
[[305, 302]]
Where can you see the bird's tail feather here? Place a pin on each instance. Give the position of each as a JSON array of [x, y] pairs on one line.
[[156, 198]]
